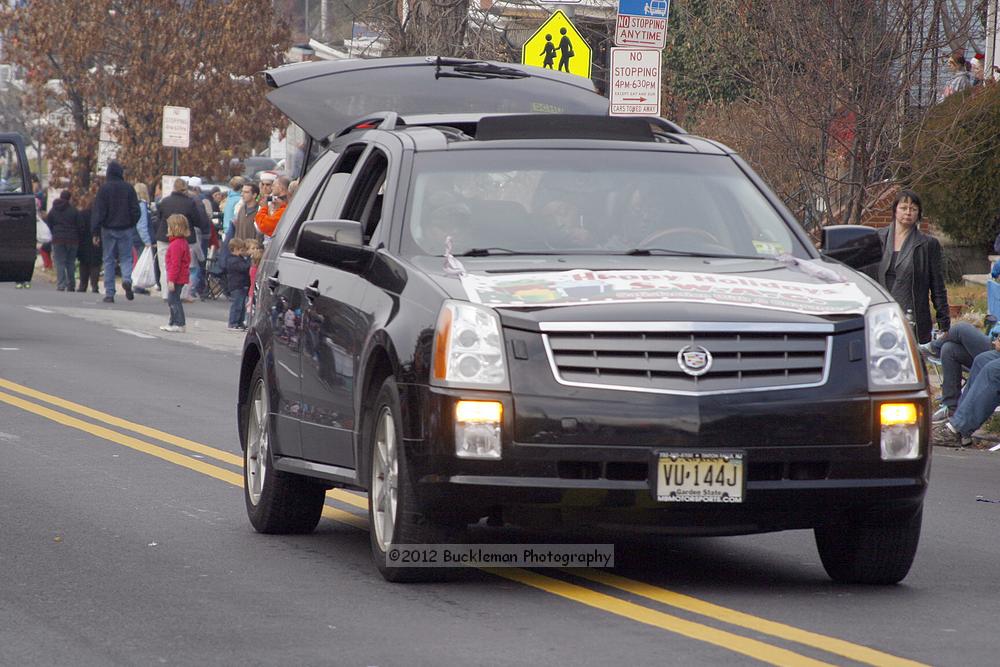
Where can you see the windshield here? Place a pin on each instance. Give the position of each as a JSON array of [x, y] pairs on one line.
[[586, 201]]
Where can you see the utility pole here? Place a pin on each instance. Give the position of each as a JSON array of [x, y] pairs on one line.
[[323, 7], [992, 38]]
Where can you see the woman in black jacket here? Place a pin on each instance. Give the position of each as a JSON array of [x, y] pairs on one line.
[[89, 253], [911, 266], [64, 221]]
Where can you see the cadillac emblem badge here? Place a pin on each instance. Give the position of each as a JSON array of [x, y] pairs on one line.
[[694, 360]]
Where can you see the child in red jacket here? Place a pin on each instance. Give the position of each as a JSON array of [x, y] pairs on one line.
[[178, 266]]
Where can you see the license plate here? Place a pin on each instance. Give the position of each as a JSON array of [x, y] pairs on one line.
[[699, 477]]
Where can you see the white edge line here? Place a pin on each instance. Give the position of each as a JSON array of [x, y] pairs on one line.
[[137, 334], [39, 309]]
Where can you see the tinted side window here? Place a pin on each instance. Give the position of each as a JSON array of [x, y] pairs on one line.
[[327, 205], [325, 202], [11, 179], [364, 204], [300, 202]]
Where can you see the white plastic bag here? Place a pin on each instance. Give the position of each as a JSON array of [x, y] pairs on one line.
[[42, 232], [144, 275]]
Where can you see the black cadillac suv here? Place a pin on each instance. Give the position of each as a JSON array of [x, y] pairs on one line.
[[482, 310]]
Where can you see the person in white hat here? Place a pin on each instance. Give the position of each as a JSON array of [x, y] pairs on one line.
[[266, 182], [272, 208]]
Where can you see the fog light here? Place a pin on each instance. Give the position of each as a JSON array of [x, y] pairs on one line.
[[900, 443], [477, 429], [900, 431], [898, 413]]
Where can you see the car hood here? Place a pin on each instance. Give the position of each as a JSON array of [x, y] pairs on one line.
[[576, 288], [325, 97]]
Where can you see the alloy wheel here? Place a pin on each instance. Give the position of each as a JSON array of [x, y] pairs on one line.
[[385, 476], [257, 443]]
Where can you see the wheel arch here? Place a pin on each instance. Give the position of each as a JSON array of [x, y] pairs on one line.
[[251, 357], [380, 362]]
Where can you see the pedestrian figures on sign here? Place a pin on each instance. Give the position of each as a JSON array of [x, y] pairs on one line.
[[549, 51], [566, 51]]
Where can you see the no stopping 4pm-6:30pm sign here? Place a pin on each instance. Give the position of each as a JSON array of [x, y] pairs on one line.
[[635, 82]]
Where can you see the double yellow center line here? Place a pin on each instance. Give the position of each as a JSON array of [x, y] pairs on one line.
[[582, 594]]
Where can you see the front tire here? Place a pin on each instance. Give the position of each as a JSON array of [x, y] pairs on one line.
[[277, 502], [869, 553], [394, 512]]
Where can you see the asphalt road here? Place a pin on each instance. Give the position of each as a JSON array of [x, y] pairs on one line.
[[124, 541]]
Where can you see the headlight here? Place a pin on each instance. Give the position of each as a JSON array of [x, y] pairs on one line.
[[892, 350], [468, 348]]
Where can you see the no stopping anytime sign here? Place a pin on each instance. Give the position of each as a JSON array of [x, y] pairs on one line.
[[635, 82]]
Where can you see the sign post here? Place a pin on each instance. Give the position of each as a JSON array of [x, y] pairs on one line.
[[642, 23], [635, 82], [176, 129], [107, 145], [558, 45]]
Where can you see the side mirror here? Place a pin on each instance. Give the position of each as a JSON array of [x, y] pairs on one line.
[[856, 246], [336, 243]]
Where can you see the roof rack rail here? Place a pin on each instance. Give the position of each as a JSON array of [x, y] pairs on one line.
[[666, 125], [450, 133]]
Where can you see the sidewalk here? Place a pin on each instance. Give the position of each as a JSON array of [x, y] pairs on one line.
[[142, 317]]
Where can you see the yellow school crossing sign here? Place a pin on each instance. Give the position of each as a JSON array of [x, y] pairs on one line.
[[558, 45]]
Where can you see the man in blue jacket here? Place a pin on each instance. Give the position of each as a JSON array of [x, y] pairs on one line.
[[112, 223]]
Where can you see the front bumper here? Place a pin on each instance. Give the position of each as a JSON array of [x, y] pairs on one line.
[[797, 484]]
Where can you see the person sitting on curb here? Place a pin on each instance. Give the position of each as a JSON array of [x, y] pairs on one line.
[[957, 348], [980, 398]]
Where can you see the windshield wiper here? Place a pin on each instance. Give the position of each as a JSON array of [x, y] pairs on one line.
[[486, 252], [463, 69], [646, 252]]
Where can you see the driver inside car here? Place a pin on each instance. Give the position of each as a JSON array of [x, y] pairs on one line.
[[565, 222]]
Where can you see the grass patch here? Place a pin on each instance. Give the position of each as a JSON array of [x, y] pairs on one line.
[[992, 424], [973, 297]]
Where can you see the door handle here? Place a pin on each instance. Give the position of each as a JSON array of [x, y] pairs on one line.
[[273, 282], [312, 291], [15, 209]]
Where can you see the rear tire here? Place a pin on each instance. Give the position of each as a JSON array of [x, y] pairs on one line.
[[394, 513], [277, 502], [869, 553]]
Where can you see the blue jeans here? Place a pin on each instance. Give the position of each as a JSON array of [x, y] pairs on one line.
[[981, 395], [64, 257], [198, 270], [117, 244], [176, 306], [960, 348], [238, 307]]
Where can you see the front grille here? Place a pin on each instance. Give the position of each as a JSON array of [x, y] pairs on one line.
[[744, 358]]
